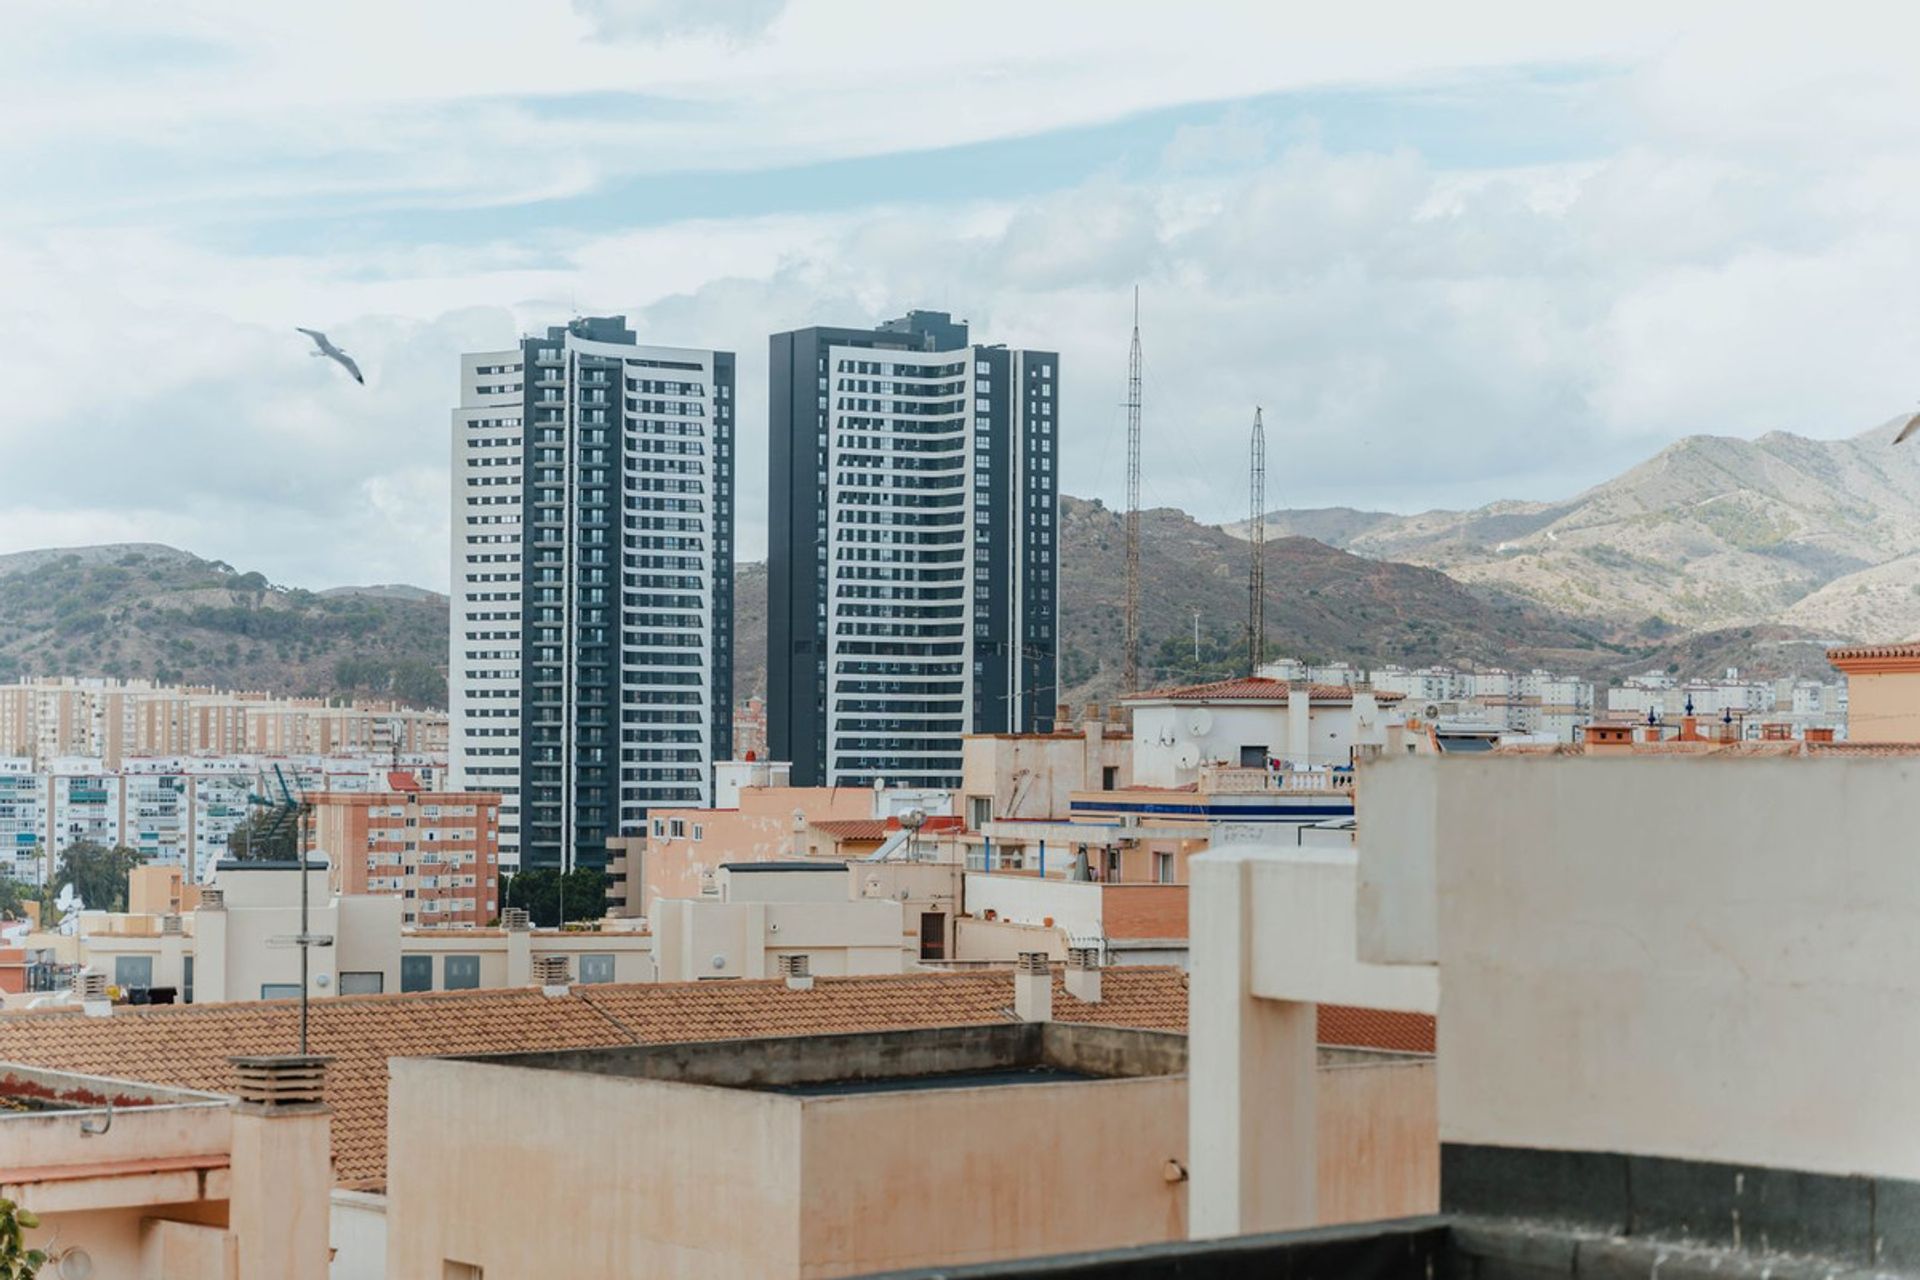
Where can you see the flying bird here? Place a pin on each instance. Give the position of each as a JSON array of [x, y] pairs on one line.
[[1913, 424], [334, 353]]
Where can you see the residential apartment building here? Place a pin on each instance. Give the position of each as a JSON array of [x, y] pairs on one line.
[[592, 584], [438, 851], [112, 720], [913, 560]]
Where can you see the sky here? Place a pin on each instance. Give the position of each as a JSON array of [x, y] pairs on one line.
[[1458, 253]]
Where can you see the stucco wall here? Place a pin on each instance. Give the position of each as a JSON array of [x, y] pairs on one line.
[[611, 1176], [1712, 958], [1883, 707], [1379, 1147], [967, 1175]]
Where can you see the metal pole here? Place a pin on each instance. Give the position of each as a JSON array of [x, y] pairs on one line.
[[300, 856]]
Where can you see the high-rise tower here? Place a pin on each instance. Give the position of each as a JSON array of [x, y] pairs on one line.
[[591, 664], [913, 552]]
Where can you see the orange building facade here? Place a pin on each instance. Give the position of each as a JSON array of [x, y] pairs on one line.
[[439, 850]]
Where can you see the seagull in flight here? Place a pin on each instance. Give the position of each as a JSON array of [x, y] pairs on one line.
[[333, 353]]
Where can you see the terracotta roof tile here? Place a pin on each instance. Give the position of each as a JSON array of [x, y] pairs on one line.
[[854, 828], [189, 1044]]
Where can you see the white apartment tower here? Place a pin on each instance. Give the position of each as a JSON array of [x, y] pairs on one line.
[[592, 585]]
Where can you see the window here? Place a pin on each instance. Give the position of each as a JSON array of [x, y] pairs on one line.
[[676, 828], [979, 811], [416, 973], [451, 1270], [362, 984], [1253, 757], [130, 972], [460, 973], [1163, 868], [596, 969], [186, 992], [279, 991], [1109, 777]]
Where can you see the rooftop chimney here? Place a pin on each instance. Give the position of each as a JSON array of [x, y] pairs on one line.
[[798, 971], [552, 974], [516, 919], [1033, 988], [281, 1083], [1083, 974], [212, 899], [171, 925], [90, 989]]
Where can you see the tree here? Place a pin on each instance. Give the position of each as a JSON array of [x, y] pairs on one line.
[[17, 1262], [538, 891], [251, 841], [99, 874]]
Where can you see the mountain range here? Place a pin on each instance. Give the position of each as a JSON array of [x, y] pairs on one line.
[[1716, 552], [1712, 532]]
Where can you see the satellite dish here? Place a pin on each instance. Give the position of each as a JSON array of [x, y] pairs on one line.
[[1199, 720], [1430, 712], [1187, 755], [68, 900]]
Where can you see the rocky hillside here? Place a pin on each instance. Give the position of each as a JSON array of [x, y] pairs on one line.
[[1323, 604], [154, 611], [1711, 533]]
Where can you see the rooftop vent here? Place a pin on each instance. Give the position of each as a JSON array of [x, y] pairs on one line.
[[552, 974], [516, 919], [280, 1083], [212, 899], [798, 971], [1083, 974], [1033, 988], [90, 989], [171, 924]]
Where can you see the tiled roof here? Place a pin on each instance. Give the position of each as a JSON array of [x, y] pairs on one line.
[[853, 828], [1869, 651], [1252, 688], [189, 1044], [1354, 1028]]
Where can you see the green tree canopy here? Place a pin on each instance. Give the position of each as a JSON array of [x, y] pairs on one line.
[[539, 892], [99, 874]]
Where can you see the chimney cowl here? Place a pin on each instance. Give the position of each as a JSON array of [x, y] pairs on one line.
[[281, 1082], [797, 969]]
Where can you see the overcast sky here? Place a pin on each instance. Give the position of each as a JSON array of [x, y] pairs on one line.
[[1459, 252]]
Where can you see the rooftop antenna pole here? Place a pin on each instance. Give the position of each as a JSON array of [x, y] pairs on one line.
[[1132, 676], [1257, 547]]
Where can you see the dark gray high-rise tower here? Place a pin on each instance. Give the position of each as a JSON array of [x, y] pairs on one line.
[[592, 612], [912, 550]]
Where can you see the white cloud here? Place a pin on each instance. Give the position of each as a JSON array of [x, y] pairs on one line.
[[1734, 261], [657, 19]]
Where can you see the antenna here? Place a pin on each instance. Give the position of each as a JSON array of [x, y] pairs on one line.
[[1132, 678], [1257, 545]]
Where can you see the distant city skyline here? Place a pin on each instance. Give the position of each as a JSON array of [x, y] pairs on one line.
[[1458, 255]]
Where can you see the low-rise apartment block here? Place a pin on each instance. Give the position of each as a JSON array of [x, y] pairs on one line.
[[438, 851]]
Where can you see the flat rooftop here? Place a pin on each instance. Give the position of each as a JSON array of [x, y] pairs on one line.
[[1001, 1055]]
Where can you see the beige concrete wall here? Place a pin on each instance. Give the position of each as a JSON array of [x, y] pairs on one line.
[[611, 1177], [1708, 958], [1379, 1139], [969, 1175], [846, 937], [1883, 707]]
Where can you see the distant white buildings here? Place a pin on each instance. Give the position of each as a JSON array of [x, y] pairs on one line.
[[1548, 706], [175, 810]]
